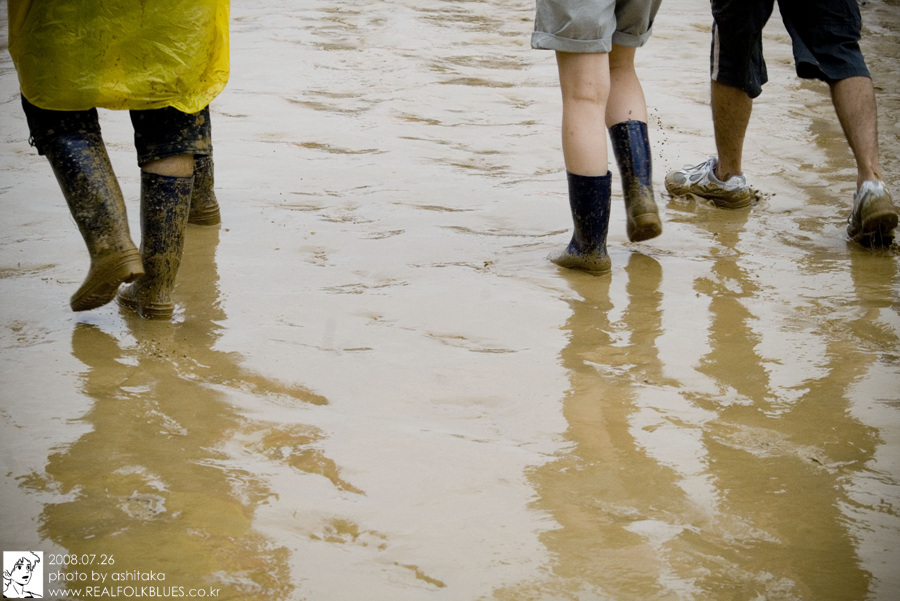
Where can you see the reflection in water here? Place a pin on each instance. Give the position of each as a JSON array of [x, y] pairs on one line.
[[720, 415], [778, 453], [749, 486], [150, 484], [617, 506], [872, 380]]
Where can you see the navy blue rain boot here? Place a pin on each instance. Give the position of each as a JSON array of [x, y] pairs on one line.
[[589, 199], [631, 145]]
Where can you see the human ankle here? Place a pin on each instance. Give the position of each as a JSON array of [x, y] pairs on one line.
[[723, 175]]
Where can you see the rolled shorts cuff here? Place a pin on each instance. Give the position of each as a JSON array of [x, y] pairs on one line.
[[631, 40], [546, 41], [168, 132]]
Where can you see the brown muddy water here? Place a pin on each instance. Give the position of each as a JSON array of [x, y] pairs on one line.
[[376, 387]]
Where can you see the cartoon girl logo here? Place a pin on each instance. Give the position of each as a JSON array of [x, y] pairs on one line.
[[18, 569]]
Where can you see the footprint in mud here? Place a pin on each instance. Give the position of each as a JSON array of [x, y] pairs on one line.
[[27, 334], [143, 506], [347, 532], [294, 445], [763, 442]]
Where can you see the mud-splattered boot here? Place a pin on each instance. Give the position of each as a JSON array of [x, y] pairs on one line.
[[589, 199], [165, 203], [631, 145], [86, 177], [204, 206]]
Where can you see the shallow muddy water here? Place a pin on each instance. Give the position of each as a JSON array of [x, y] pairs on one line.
[[377, 387]]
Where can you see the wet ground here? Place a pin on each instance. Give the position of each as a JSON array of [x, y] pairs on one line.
[[377, 387]]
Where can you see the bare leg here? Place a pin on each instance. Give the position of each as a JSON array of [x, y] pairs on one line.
[[854, 102], [626, 96], [177, 166], [731, 108], [584, 83]]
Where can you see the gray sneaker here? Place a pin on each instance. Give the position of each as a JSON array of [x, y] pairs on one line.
[[874, 215], [701, 180]]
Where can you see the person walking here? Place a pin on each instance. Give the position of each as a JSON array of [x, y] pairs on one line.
[[164, 61], [825, 36], [595, 43]]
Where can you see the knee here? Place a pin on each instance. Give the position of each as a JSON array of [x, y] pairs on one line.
[[587, 90], [177, 166]]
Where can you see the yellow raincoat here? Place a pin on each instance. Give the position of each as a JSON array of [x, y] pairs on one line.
[[120, 54]]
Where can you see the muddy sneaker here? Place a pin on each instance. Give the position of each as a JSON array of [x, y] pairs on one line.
[[874, 215], [701, 180]]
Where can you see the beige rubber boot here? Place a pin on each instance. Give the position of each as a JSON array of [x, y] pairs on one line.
[[86, 177]]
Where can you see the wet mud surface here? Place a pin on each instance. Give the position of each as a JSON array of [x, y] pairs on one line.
[[376, 386]]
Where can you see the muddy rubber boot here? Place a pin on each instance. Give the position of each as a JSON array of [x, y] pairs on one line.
[[204, 206], [631, 145], [86, 177], [589, 199], [165, 204]]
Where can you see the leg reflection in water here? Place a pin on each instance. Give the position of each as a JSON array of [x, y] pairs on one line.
[[784, 439], [716, 445], [617, 507], [167, 478]]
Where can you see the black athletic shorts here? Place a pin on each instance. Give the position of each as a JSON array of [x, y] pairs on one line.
[[824, 33], [158, 133]]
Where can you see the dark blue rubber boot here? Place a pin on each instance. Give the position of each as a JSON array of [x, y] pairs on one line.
[[631, 145], [589, 199]]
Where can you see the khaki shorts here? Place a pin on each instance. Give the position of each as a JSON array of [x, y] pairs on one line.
[[592, 25]]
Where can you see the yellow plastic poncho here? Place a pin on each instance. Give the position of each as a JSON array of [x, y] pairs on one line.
[[120, 54]]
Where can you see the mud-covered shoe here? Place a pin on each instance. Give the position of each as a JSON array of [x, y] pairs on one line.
[[701, 180], [874, 215]]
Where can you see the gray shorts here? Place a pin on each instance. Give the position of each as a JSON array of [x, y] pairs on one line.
[[592, 25]]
